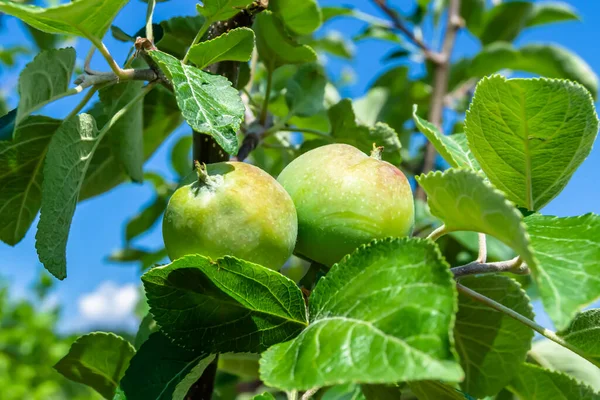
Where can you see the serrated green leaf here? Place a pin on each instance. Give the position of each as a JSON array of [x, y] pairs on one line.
[[516, 127], [275, 48], [453, 148], [84, 18], [302, 17], [546, 12], [434, 390], [69, 155], [465, 202], [491, 345], [357, 332], [534, 383], [157, 368], [250, 307], [98, 360], [583, 333], [179, 33], [183, 387], [235, 45], [568, 250], [128, 133], [161, 118], [346, 129], [21, 164], [181, 156], [548, 60], [555, 357], [43, 79], [305, 92], [220, 10], [208, 102]]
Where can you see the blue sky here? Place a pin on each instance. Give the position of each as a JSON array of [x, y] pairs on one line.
[[97, 288]]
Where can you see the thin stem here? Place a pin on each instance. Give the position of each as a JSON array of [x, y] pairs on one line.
[[515, 266], [293, 395], [90, 93], [522, 319], [309, 393], [149, 15], [482, 255], [199, 36], [265, 106], [106, 54], [399, 25], [440, 83], [437, 233]]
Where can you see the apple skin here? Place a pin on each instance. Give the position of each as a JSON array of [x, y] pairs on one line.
[[344, 199], [237, 210]]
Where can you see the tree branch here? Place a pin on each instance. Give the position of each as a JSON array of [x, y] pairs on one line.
[[516, 266], [399, 25], [440, 83], [522, 319]]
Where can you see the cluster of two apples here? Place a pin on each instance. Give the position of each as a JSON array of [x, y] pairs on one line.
[[323, 205]]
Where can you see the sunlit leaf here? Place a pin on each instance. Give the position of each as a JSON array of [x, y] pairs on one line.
[[235, 45], [301, 16], [534, 383]]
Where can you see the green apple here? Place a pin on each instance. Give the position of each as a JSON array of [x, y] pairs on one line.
[[234, 209], [345, 198]]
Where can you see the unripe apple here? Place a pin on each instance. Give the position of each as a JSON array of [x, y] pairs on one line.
[[345, 198], [235, 209]]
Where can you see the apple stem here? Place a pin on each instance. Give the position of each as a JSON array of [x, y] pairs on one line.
[[376, 152], [202, 173]]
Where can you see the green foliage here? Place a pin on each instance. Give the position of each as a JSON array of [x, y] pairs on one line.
[[220, 10], [534, 383], [21, 165], [98, 360], [366, 321], [235, 45], [305, 91], [491, 345], [566, 275], [582, 333], [301, 16], [255, 307], [465, 202], [81, 18], [69, 155], [208, 102]]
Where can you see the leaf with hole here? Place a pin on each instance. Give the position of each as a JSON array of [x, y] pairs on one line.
[[207, 102], [516, 128], [357, 332]]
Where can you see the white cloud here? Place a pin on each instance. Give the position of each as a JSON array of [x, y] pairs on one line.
[[110, 304]]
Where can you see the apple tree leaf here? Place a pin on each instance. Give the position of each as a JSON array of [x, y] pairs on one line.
[[303, 17], [275, 47], [43, 79], [158, 367], [69, 155], [208, 102], [220, 10], [583, 333], [358, 331], [178, 34], [568, 272], [98, 360], [235, 45], [491, 345], [224, 305], [305, 91], [21, 166], [464, 201], [517, 127], [84, 18], [534, 383]]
